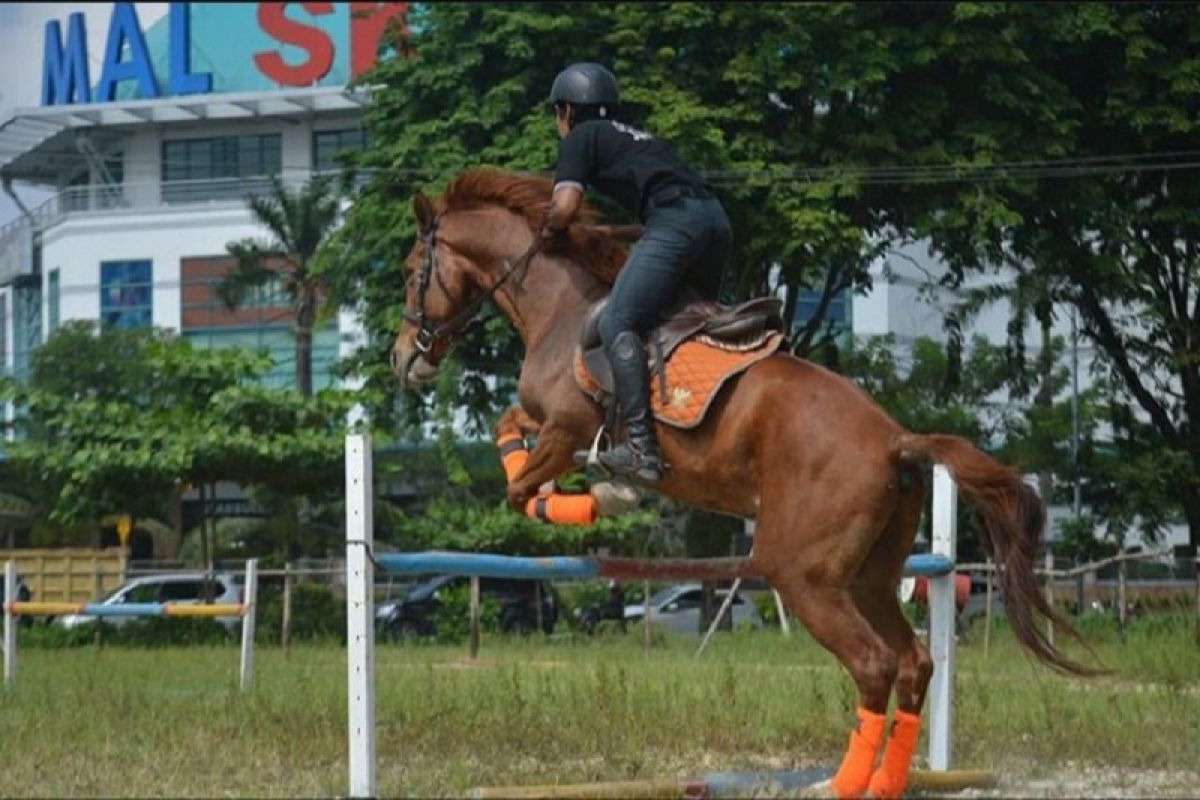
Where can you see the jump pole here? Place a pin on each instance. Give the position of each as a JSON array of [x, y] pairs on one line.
[[247, 610], [10, 623], [360, 613]]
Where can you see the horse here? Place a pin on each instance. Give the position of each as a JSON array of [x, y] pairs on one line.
[[834, 485]]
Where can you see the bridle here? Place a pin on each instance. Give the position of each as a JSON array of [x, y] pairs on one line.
[[428, 332]]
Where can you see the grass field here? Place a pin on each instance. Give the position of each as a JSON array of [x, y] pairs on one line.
[[130, 722]]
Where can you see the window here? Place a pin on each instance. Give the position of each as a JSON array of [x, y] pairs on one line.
[[53, 309], [181, 590], [688, 599], [327, 144], [838, 311], [125, 294], [216, 168], [142, 593]]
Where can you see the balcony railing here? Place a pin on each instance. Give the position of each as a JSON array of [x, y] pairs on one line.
[[17, 248]]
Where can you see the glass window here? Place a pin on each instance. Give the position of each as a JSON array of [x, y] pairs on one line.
[[126, 294], [214, 168], [53, 307], [142, 593], [327, 144], [688, 599], [182, 590]]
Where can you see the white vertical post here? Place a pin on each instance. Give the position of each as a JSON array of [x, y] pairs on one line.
[[250, 601], [360, 616], [10, 623], [941, 619]]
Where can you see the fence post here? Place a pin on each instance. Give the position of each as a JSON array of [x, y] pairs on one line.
[[1197, 570], [646, 616], [721, 612], [987, 610], [249, 613], [1049, 594], [360, 616], [98, 639], [286, 627], [474, 639], [1121, 620], [10, 623], [941, 619]]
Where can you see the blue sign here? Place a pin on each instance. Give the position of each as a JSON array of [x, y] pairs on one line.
[[65, 66]]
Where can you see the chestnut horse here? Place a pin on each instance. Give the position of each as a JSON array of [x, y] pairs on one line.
[[834, 485]]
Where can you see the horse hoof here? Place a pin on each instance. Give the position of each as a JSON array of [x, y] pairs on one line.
[[614, 498]]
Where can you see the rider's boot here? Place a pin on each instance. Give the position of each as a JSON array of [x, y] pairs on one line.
[[638, 457]]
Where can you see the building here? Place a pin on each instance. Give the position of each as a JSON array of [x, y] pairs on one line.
[[151, 163]]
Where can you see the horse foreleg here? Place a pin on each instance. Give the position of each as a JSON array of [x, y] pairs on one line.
[[553, 455], [515, 420]]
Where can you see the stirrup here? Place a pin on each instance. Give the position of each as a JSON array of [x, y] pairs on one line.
[[590, 459]]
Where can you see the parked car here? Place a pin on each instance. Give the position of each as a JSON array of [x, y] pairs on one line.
[[24, 595], [415, 613], [185, 588], [677, 609]]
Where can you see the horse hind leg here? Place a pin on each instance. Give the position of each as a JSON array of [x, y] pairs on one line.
[[814, 577], [875, 594]]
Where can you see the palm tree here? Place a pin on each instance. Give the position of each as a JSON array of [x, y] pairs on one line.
[[299, 223]]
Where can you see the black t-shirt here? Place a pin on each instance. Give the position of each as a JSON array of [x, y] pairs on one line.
[[620, 161]]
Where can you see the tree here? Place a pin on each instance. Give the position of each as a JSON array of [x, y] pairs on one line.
[[746, 92], [1085, 120], [114, 421], [299, 222]]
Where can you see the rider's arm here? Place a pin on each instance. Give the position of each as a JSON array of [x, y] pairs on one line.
[[563, 208], [571, 174]]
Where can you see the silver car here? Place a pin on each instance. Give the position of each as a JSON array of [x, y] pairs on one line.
[[184, 588], [677, 609]]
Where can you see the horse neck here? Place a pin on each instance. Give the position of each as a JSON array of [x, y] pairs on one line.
[[553, 291]]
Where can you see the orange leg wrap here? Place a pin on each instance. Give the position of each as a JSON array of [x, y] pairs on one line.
[[513, 454], [855, 772], [563, 509], [892, 776]]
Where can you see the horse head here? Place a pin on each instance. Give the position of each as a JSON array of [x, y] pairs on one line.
[[447, 281]]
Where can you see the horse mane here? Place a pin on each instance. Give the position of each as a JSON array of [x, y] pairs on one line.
[[527, 196]]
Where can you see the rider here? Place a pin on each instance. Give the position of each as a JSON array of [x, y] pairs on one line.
[[686, 238]]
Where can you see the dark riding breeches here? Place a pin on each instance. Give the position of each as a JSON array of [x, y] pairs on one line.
[[687, 241]]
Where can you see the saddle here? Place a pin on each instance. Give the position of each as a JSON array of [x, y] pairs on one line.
[[696, 348]]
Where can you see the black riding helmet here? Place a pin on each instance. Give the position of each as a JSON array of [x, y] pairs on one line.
[[585, 84]]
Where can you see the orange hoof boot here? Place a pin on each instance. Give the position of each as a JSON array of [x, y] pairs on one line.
[[854, 774], [892, 776]]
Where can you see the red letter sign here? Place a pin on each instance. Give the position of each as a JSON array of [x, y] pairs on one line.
[[306, 37], [368, 21]]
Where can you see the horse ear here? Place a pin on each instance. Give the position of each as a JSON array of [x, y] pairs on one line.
[[423, 209]]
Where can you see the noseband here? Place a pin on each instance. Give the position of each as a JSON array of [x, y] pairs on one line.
[[428, 332]]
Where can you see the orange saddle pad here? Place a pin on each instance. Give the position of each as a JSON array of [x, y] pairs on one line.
[[696, 371]]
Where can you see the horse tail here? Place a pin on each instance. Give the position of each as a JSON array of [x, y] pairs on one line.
[[1013, 516]]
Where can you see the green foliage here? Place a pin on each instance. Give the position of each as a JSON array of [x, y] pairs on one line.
[[148, 632], [445, 524], [113, 421], [452, 618], [316, 615]]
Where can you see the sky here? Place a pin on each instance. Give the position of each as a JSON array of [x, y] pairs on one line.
[[22, 32]]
